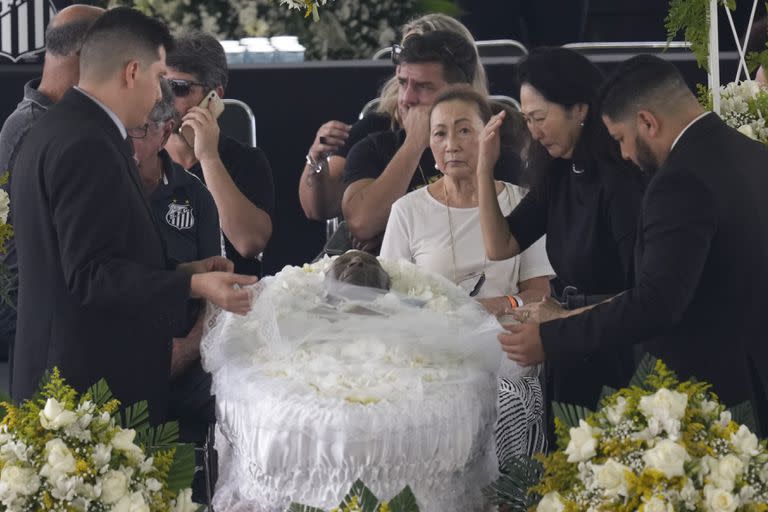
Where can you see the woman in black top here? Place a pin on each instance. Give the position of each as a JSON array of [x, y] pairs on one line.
[[586, 200]]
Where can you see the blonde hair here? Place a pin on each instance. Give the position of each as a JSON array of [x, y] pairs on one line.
[[430, 23]]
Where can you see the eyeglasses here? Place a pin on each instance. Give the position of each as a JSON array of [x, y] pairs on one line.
[[182, 88], [469, 283], [138, 133]]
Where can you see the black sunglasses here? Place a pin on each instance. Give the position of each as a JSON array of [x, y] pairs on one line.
[[182, 88]]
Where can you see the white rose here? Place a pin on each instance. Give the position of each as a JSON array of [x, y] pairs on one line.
[[153, 485], [5, 206], [611, 476], [718, 500], [747, 130], [668, 457], [549, 503], [20, 480], [725, 418], [147, 466], [744, 441], [63, 487], [656, 504], [184, 503], [764, 474], [582, 445], [723, 472], [14, 450], [54, 416], [667, 407], [101, 455], [60, 460], [133, 502], [114, 486], [615, 413], [123, 441]]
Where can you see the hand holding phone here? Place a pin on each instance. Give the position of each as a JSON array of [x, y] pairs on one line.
[[213, 103]]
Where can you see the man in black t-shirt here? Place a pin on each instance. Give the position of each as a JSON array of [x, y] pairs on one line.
[[384, 166], [238, 177]]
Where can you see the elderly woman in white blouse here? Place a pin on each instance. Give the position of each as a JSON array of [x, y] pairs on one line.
[[438, 228]]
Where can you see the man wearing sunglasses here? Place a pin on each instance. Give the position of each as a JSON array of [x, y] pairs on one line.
[[238, 177], [384, 166], [97, 295]]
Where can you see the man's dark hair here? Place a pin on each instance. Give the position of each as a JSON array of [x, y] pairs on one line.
[[456, 54], [643, 83], [66, 39], [200, 54], [120, 35]]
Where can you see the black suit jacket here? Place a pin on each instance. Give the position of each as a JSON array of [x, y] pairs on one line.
[[96, 297], [699, 300]]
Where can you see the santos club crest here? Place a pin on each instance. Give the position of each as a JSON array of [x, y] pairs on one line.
[[22, 27], [180, 216]]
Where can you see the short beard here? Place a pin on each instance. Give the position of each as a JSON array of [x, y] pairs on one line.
[[646, 160]]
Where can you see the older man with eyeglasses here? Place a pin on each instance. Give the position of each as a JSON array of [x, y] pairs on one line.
[[238, 177]]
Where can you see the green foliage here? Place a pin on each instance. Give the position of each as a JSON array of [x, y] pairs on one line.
[[345, 29], [570, 414], [361, 499], [135, 416], [644, 369], [182, 469], [606, 392], [744, 414], [405, 501], [99, 393], [518, 475], [690, 17]]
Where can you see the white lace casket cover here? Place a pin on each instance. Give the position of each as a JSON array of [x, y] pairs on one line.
[[393, 388]]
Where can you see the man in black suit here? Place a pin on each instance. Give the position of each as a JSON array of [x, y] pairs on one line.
[[699, 302], [97, 296]]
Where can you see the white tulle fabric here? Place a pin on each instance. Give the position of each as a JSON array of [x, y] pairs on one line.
[[322, 384]]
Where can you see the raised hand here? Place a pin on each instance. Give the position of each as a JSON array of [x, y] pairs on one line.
[[416, 125], [329, 138], [206, 130], [490, 143], [224, 289], [522, 343]]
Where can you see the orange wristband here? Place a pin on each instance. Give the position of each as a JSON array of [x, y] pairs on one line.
[[512, 302]]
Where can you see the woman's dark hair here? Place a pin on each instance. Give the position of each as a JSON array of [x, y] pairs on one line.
[[568, 78]]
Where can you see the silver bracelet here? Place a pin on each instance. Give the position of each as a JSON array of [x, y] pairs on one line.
[[314, 165]]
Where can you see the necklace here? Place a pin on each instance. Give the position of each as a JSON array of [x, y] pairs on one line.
[[480, 281], [423, 176]]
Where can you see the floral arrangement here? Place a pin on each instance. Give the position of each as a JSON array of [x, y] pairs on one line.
[[64, 453], [657, 446], [6, 233], [744, 106], [310, 6], [361, 499]]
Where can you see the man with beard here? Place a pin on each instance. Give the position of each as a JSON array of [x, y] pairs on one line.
[[702, 250]]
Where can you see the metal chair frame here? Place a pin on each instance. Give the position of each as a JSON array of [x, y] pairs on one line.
[[230, 102], [386, 53], [640, 46]]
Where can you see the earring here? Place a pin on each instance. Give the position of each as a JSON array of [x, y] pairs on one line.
[[436, 167], [581, 124]]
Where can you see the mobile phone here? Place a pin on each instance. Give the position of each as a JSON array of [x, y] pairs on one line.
[[210, 101]]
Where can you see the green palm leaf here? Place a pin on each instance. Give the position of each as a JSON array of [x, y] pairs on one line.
[[606, 392], [511, 489], [100, 393], [159, 437], [570, 414], [744, 414], [405, 501], [135, 416], [183, 468], [367, 501], [644, 369]]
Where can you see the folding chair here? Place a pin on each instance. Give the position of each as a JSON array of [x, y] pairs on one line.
[[489, 48], [237, 121]]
